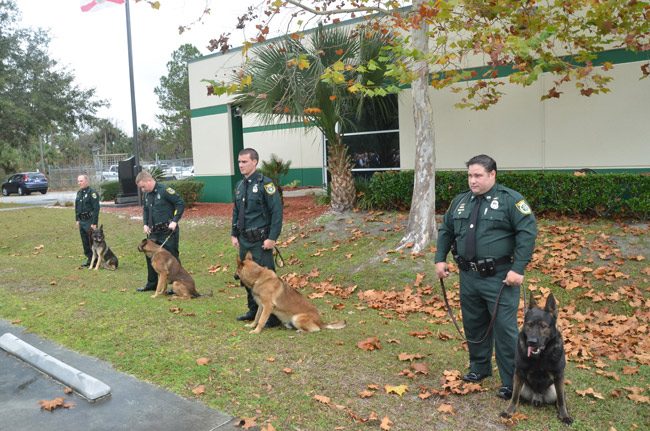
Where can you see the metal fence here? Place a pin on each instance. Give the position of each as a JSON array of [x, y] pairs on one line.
[[65, 178]]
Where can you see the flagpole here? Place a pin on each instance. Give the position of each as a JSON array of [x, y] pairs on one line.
[[136, 150]]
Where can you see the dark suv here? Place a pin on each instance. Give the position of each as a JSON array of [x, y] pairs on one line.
[[24, 183]]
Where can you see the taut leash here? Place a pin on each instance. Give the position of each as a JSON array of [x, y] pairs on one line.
[[453, 318]]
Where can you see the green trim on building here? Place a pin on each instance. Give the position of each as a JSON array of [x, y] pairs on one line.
[[217, 188], [269, 127], [209, 110], [615, 56], [221, 188], [307, 177]]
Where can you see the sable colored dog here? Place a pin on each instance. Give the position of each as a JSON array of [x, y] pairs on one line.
[[274, 296], [540, 361], [169, 269], [102, 254]]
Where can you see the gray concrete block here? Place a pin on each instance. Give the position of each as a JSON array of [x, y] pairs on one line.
[[88, 386]]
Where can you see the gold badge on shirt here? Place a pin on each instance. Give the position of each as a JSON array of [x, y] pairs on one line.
[[523, 207], [270, 188]]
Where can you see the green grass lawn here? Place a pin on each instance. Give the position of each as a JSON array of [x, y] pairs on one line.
[[274, 377]]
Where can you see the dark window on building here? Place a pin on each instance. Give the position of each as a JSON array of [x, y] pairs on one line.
[[373, 140]]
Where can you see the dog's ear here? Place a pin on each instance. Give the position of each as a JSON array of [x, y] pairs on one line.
[[531, 301], [101, 227], [249, 255], [238, 261], [551, 306]]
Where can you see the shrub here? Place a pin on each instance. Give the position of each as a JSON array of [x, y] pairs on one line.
[[189, 190], [108, 190], [603, 195]]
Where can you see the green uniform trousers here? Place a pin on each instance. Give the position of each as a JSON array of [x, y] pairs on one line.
[[261, 257], [84, 232], [477, 297], [171, 246]]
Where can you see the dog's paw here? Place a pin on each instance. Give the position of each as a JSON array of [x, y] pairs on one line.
[[255, 331], [567, 420], [154, 295], [249, 325], [505, 415]]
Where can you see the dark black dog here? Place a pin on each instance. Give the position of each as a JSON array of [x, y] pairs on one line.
[[540, 361]]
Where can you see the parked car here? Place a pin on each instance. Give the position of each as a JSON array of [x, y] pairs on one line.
[[24, 183], [110, 174]]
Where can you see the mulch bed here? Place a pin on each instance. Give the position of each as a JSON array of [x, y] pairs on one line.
[[296, 209]]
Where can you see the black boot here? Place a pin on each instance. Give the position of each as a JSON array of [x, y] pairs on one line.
[[146, 288], [273, 322], [252, 306]]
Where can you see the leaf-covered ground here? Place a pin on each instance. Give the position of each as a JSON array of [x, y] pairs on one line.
[[397, 365]]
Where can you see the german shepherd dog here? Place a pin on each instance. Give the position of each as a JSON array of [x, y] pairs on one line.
[[169, 269], [274, 296], [540, 361], [102, 254]]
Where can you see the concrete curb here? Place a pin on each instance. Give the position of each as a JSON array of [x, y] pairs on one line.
[[88, 386]]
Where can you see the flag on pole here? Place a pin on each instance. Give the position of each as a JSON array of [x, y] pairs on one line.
[[88, 5]]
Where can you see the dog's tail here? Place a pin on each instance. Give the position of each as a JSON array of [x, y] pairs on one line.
[[336, 325], [200, 295]]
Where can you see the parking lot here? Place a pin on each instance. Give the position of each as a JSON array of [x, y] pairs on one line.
[[132, 405]]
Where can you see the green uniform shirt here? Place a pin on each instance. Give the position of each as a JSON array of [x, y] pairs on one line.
[[87, 202], [506, 227], [261, 202], [162, 205]]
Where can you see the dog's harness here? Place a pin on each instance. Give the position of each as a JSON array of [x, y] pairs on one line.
[[453, 318]]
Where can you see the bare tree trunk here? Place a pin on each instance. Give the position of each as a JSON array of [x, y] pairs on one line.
[[421, 227], [340, 167]]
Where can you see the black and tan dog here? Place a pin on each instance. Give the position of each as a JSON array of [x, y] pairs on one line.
[[102, 254], [274, 296], [169, 270], [540, 361]]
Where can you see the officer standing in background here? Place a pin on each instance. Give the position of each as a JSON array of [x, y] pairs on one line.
[[86, 210], [256, 220], [491, 232], [162, 210]]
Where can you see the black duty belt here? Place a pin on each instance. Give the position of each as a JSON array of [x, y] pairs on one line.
[[485, 267], [85, 216], [255, 234], [160, 227]]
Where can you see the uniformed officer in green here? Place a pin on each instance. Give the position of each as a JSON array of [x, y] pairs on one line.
[[256, 220], [162, 210], [493, 231], [86, 210]]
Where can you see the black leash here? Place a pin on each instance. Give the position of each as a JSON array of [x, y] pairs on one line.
[[279, 263], [453, 319]]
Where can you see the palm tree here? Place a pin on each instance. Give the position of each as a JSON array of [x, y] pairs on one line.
[[285, 79]]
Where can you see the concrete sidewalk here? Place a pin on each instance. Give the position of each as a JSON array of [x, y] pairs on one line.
[[133, 405]]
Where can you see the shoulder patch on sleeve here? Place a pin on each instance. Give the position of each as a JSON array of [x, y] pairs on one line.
[[270, 188], [170, 191], [94, 195], [523, 207]]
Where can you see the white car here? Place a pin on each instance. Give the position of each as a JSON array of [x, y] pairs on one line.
[[110, 174]]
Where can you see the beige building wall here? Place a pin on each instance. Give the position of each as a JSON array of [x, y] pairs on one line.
[[211, 145], [606, 131]]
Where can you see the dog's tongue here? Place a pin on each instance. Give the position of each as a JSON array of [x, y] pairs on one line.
[[530, 351]]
